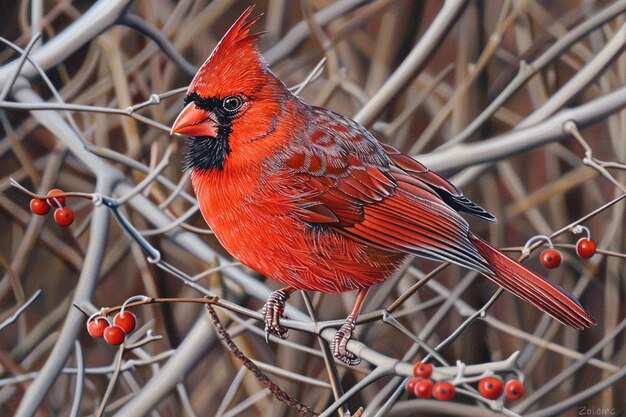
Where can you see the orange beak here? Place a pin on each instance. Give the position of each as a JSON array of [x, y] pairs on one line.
[[193, 121]]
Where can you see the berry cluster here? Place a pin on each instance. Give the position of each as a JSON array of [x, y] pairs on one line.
[[424, 387], [489, 387], [124, 323], [585, 248], [552, 258], [492, 388], [64, 216]]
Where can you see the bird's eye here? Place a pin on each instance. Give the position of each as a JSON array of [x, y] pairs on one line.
[[232, 103]]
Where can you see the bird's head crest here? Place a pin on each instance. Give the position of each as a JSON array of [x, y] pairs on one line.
[[234, 60]]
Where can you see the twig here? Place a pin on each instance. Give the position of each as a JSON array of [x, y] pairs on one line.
[[478, 314], [149, 179], [466, 310], [140, 25], [80, 380], [7, 87], [413, 62], [580, 80], [278, 393], [180, 221], [329, 360], [432, 353], [581, 397], [559, 379], [20, 310], [102, 370], [299, 32], [369, 379], [231, 392], [589, 160], [517, 141], [99, 17], [415, 287], [529, 70], [116, 373], [185, 400]]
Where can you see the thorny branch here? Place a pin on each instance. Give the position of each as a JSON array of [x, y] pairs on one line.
[[278, 393]]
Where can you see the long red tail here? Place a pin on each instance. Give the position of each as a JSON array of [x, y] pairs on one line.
[[530, 287]]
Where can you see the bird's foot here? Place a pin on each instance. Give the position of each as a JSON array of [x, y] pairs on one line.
[[273, 312], [340, 343]]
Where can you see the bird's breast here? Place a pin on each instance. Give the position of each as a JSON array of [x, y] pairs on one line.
[[250, 219], [257, 224]]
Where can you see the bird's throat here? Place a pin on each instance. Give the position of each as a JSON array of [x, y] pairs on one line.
[[207, 153]]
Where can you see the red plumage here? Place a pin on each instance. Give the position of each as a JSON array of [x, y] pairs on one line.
[[310, 198]]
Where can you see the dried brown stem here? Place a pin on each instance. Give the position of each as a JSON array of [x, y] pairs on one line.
[[276, 391]]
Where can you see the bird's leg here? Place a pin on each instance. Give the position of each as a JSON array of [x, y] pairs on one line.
[[273, 312], [345, 332]]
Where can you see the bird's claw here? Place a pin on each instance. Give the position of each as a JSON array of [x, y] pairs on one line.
[[340, 343], [273, 312]]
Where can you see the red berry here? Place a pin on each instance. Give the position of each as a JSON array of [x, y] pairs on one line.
[[443, 391], [410, 385], [551, 258], [64, 216], [127, 322], [423, 388], [490, 387], [585, 248], [514, 389], [96, 327], [38, 206], [55, 201], [422, 369], [114, 335]]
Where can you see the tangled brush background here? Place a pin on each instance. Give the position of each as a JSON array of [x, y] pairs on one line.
[[520, 103]]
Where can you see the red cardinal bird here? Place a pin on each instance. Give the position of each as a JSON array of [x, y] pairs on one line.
[[310, 198]]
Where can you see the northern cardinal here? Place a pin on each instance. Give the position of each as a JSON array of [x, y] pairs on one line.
[[310, 198]]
